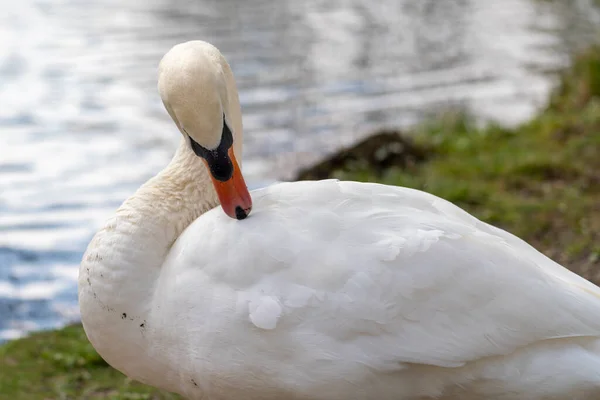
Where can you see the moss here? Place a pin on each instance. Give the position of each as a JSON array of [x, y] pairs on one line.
[[540, 181]]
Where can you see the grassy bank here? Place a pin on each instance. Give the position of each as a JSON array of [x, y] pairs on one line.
[[540, 181], [63, 365]]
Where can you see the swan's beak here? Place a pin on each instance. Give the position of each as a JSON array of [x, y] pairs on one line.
[[233, 193]]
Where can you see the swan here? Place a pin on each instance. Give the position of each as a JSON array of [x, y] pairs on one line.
[[320, 290]]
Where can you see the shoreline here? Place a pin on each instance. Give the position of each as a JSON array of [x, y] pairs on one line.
[[539, 180]]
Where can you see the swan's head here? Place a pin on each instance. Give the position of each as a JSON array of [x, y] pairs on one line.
[[199, 92]]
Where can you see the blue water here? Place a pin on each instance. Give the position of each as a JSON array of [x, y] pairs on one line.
[[81, 125]]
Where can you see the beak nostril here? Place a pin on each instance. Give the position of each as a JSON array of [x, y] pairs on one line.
[[240, 213]]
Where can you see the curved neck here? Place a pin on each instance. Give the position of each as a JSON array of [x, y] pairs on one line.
[[170, 201], [124, 259]]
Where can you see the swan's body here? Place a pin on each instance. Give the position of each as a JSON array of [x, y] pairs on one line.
[[330, 290]]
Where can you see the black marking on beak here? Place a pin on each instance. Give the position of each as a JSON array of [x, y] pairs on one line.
[[219, 163], [240, 213]]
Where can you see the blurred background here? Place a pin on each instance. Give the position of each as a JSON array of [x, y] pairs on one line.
[[82, 126]]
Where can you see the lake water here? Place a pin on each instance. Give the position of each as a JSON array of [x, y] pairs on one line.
[[81, 124]]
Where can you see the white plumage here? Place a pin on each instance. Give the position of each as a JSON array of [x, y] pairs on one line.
[[329, 290]]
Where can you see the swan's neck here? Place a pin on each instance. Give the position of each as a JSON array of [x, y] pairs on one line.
[[165, 205], [154, 217], [123, 262]]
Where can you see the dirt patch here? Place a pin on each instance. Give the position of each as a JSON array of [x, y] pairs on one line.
[[378, 153]]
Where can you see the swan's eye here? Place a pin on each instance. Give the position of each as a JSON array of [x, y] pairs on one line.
[[219, 163]]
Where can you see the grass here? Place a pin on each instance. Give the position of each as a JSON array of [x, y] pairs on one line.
[[63, 365], [540, 181]]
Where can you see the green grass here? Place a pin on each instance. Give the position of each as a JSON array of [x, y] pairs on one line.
[[540, 181], [61, 365]]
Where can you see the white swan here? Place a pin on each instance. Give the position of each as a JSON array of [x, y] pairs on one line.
[[329, 290]]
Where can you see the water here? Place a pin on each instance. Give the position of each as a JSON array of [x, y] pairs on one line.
[[82, 126]]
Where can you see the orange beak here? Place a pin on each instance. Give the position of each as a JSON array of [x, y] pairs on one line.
[[233, 193]]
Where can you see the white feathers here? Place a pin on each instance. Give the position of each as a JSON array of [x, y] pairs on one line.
[[338, 285], [264, 312], [395, 278]]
